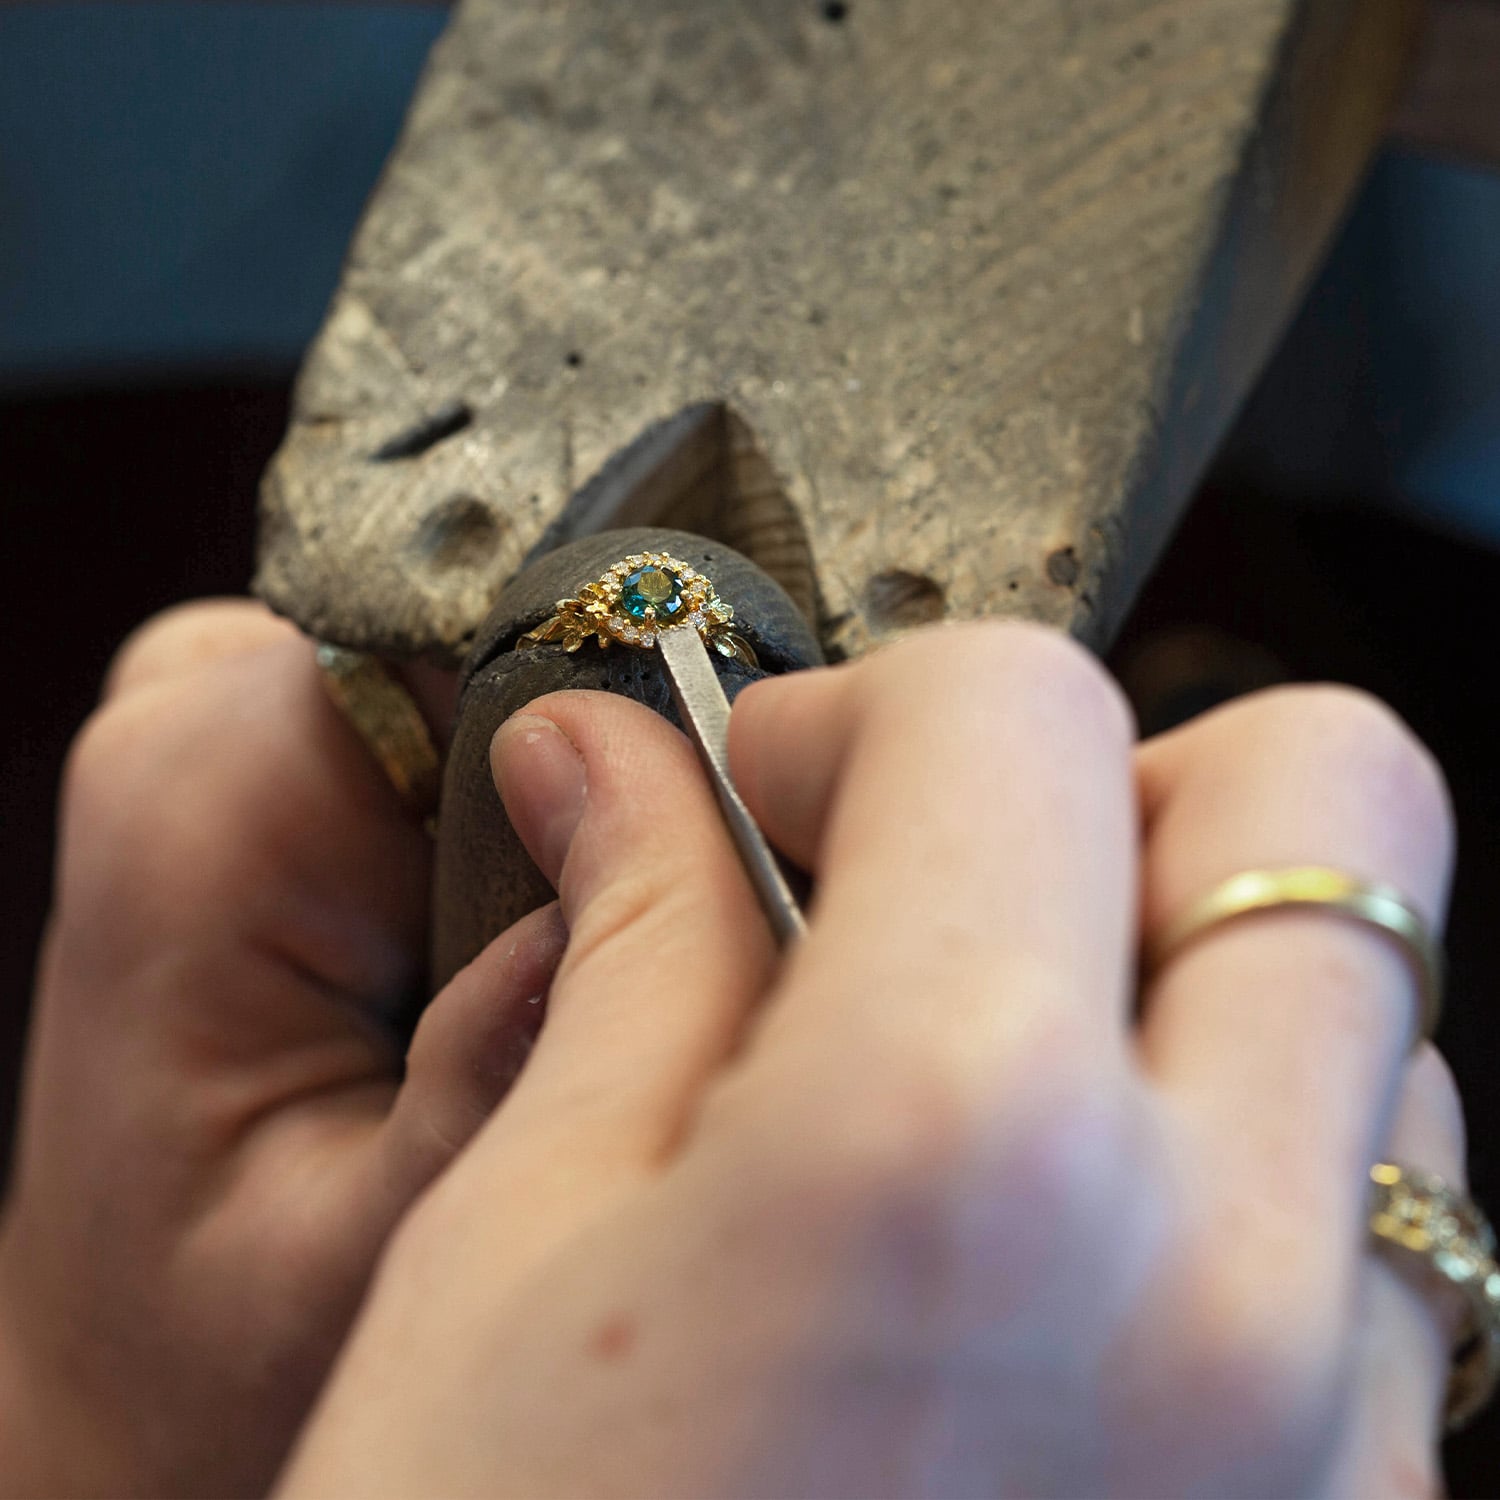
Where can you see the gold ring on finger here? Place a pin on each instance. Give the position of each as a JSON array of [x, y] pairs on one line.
[[387, 719], [1441, 1237], [1316, 886]]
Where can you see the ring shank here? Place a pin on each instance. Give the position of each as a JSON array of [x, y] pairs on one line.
[[1378, 906]]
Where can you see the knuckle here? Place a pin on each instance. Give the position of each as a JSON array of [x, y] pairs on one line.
[[1061, 679], [898, 1136], [1355, 736], [1033, 668], [939, 1180], [186, 635]]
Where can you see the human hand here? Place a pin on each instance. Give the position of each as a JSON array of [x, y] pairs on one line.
[[215, 1136], [932, 1211]]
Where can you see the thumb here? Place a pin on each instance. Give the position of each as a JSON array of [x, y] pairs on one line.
[[667, 949]]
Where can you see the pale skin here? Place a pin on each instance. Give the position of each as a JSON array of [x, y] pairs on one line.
[[929, 1209]]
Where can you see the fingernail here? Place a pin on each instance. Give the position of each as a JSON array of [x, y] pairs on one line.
[[542, 781]]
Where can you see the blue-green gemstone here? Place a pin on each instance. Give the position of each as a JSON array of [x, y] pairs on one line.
[[651, 587]]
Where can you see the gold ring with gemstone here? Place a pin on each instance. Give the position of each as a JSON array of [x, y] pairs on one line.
[[634, 601], [1379, 906], [654, 600], [1444, 1239], [387, 719]]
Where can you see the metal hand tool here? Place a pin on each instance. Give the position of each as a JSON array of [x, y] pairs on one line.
[[705, 715]]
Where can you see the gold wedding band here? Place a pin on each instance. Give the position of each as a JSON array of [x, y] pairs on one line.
[[387, 719], [1378, 906], [1444, 1237]]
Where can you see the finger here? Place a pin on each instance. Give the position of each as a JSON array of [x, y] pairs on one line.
[[967, 807], [1406, 1327], [191, 636], [225, 815], [199, 634], [667, 949], [1283, 1035], [791, 795], [469, 1049]]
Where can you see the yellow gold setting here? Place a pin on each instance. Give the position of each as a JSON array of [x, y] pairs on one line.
[[1448, 1239], [637, 599]]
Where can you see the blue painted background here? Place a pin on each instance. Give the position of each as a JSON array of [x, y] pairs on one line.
[[178, 182], [1388, 386]]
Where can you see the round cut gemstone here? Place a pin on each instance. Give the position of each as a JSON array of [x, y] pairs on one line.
[[651, 587]]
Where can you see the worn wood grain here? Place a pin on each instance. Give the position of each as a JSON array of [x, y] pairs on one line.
[[932, 310]]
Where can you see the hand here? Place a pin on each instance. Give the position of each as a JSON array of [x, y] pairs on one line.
[[931, 1211], [215, 1137]]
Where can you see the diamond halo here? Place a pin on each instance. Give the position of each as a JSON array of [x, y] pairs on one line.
[[632, 602]]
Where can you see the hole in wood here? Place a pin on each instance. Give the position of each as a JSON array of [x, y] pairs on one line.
[[427, 433], [899, 600], [460, 533], [1063, 567]]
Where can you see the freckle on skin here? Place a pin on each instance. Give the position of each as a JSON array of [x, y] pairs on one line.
[[614, 1338]]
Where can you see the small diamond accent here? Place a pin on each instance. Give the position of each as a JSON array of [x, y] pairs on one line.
[[637, 598]]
